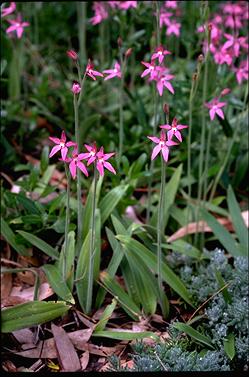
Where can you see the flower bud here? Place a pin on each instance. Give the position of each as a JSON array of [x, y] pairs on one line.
[[195, 76], [128, 52], [200, 58], [225, 92], [120, 42], [76, 88], [166, 108], [72, 54]]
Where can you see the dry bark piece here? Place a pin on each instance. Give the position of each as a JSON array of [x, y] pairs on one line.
[[67, 355]]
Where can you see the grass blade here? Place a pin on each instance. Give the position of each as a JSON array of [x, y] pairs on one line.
[[40, 244], [10, 238], [110, 201], [194, 334]]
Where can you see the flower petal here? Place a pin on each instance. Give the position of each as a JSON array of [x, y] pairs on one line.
[[165, 152], [155, 151], [154, 139], [108, 166], [54, 150], [82, 167], [72, 168], [55, 140], [166, 126], [220, 113], [100, 168], [64, 151], [178, 136]]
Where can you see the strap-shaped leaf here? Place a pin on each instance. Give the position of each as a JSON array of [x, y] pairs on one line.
[[106, 316], [222, 234], [125, 335], [110, 201], [40, 244], [11, 238], [194, 334], [237, 219], [56, 281], [229, 346], [151, 261], [31, 314]]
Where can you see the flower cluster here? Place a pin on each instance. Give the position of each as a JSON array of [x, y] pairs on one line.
[[170, 18], [162, 143], [75, 159], [159, 73], [102, 9], [215, 105], [227, 44], [16, 25]]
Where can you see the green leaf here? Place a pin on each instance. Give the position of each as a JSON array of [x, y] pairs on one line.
[[106, 316], [237, 219], [57, 203], [194, 334], [151, 261], [169, 197], [221, 282], [31, 314], [82, 271], [40, 244], [110, 201], [222, 234], [70, 256], [28, 204], [120, 295], [57, 283], [11, 238], [229, 346], [183, 247], [125, 335]]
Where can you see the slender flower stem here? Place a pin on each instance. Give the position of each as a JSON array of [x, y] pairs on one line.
[[67, 223], [121, 113], [81, 19], [158, 34], [189, 146], [159, 227], [92, 246]]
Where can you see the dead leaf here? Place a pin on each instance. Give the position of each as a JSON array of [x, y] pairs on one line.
[[44, 350], [127, 364], [6, 285], [27, 294], [80, 337], [84, 360], [24, 336], [67, 355], [202, 226], [8, 366]]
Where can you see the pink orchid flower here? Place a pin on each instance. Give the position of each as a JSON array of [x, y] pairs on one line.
[[92, 153], [173, 28], [76, 88], [90, 72], [160, 53], [164, 18], [61, 145], [163, 81], [8, 10], [102, 163], [17, 25], [242, 71], [171, 4], [174, 129], [127, 4], [163, 146], [235, 43], [100, 13], [214, 107], [76, 162], [150, 68], [116, 72]]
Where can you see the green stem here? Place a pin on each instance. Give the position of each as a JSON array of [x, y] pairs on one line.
[[81, 19], [158, 34], [121, 112], [92, 246], [67, 222], [159, 228]]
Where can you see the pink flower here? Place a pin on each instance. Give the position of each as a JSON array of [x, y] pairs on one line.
[[113, 4], [163, 81], [164, 18], [90, 72], [242, 71], [100, 13], [76, 88], [113, 72], [127, 4], [163, 146], [235, 43], [174, 129], [75, 162], [160, 53], [91, 155], [170, 4], [72, 54], [17, 25], [173, 28], [214, 107], [150, 69], [102, 163], [8, 10], [61, 145]]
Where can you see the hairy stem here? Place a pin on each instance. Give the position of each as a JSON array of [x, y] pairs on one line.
[[159, 228], [67, 222], [81, 19]]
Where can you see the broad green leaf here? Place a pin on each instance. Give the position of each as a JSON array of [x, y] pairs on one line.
[[125, 335], [31, 314], [82, 273], [11, 238], [57, 283], [237, 219], [183, 247], [42, 184], [151, 261], [40, 244], [106, 316], [194, 334], [113, 264], [120, 295], [221, 233], [111, 200], [229, 346], [118, 226], [169, 197]]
